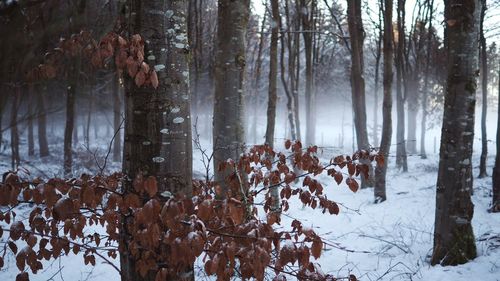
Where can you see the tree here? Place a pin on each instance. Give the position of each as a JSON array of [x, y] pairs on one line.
[[158, 126], [356, 33], [273, 73], [495, 205], [484, 90], [306, 11], [228, 132], [454, 241], [401, 159], [385, 142], [423, 127]]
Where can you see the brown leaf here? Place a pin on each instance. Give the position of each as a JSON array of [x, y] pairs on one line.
[[153, 77], [351, 169], [316, 248], [140, 78], [353, 184], [63, 209], [23, 276], [151, 186], [338, 177], [16, 230]]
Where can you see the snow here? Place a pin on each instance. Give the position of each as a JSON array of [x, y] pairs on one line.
[[388, 241]]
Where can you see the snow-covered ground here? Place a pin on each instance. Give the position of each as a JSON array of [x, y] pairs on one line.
[[387, 241]]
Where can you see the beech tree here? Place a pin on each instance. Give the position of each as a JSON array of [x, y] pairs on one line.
[[454, 241], [356, 33], [228, 132], [495, 204]]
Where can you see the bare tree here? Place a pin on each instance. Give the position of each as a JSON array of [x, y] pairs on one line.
[[228, 132], [454, 241], [157, 121], [495, 204], [484, 90], [273, 73], [356, 32], [385, 142], [401, 159]]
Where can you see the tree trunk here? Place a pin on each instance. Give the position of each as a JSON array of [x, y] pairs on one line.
[[411, 141], [307, 12], [423, 127], [484, 91], [14, 133], [89, 116], [378, 56], [273, 74], [228, 132], [401, 161], [296, 57], [495, 204], [43, 144], [31, 139], [117, 119], [286, 87], [257, 76], [385, 142], [454, 241], [158, 140], [356, 33], [70, 122]]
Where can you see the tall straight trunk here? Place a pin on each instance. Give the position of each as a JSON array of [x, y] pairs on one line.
[[31, 139], [296, 76], [356, 33], [273, 95], [423, 125], [411, 140], [117, 118], [158, 139], [484, 91], [14, 132], [401, 161], [43, 144], [385, 142], [273, 74], [228, 132], [290, 86], [256, 79], [454, 241], [307, 11], [89, 116], [378, 56], [495, 204], [286, 88], [70, 123]]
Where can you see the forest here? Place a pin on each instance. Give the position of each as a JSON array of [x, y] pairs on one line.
[[322, 140]]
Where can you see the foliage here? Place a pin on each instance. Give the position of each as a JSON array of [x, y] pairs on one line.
[[127, 56], [170, 232]]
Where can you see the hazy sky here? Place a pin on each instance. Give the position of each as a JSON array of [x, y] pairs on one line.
[[492, 25]]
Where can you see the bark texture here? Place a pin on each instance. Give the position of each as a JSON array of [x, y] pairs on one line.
[[70, 123], [401, 159], [495, 204], [228, 132], [484, 96], [273, 74], [454, 241], [357, 34], [157, 121], [385, 142]]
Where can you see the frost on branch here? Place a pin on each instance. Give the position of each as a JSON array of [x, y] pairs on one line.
[[167, 236]]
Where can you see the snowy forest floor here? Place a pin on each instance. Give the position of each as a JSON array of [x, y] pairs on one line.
[[388, 241]]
